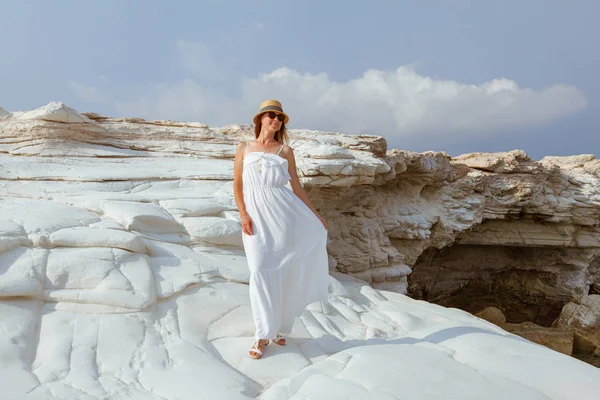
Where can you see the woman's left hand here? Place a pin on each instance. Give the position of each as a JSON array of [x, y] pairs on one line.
[[322, 221]]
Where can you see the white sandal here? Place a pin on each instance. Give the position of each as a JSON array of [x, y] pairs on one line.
[[277, 340], [255, 349]]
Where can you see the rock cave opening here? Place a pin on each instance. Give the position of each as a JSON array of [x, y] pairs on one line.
[[528, 284]]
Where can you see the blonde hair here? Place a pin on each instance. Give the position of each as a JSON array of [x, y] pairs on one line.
[[281, 135]]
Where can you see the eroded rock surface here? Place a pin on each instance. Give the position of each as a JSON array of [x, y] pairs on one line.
[[122, 273], [583, 317]]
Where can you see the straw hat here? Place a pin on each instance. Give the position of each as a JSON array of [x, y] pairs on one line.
[[271, 105]]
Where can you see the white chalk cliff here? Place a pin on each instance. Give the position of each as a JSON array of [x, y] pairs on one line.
[[122, 274]]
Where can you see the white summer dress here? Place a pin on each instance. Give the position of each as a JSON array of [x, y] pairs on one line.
[[286, 253]]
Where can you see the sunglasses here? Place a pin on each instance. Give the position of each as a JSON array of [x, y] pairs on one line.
[[273, 115]]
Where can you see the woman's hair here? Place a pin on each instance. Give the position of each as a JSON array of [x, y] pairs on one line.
[[281, 135]]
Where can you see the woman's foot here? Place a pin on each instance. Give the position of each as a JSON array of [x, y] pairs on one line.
[[256, 351], [280, 340]]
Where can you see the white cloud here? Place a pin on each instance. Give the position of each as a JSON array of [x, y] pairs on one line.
[[86, 92], [388, 103], [402, 102]]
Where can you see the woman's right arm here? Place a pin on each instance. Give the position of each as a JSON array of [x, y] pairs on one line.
[[238, 189]]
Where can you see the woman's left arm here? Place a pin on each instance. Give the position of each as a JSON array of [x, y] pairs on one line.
[[299, 191]]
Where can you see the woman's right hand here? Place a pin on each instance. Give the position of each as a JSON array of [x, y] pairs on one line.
[[247, 225]]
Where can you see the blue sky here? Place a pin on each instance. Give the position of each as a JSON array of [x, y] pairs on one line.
[[455, 75]]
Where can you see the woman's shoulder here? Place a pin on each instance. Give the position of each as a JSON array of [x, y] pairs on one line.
[[243, 145], [286, 151]]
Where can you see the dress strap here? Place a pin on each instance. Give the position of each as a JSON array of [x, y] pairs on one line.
[[280, 149]]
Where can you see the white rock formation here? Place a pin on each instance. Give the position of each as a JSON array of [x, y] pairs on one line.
[[122, 274]]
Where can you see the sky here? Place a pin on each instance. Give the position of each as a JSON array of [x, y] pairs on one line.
[[446, 75]]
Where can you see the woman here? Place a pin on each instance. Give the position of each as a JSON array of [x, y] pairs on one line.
[[284, 236]]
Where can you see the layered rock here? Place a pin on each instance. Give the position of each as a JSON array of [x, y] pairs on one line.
[[558, 339], [527, 230], [534, 244], [583, 317], [122, 273]]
